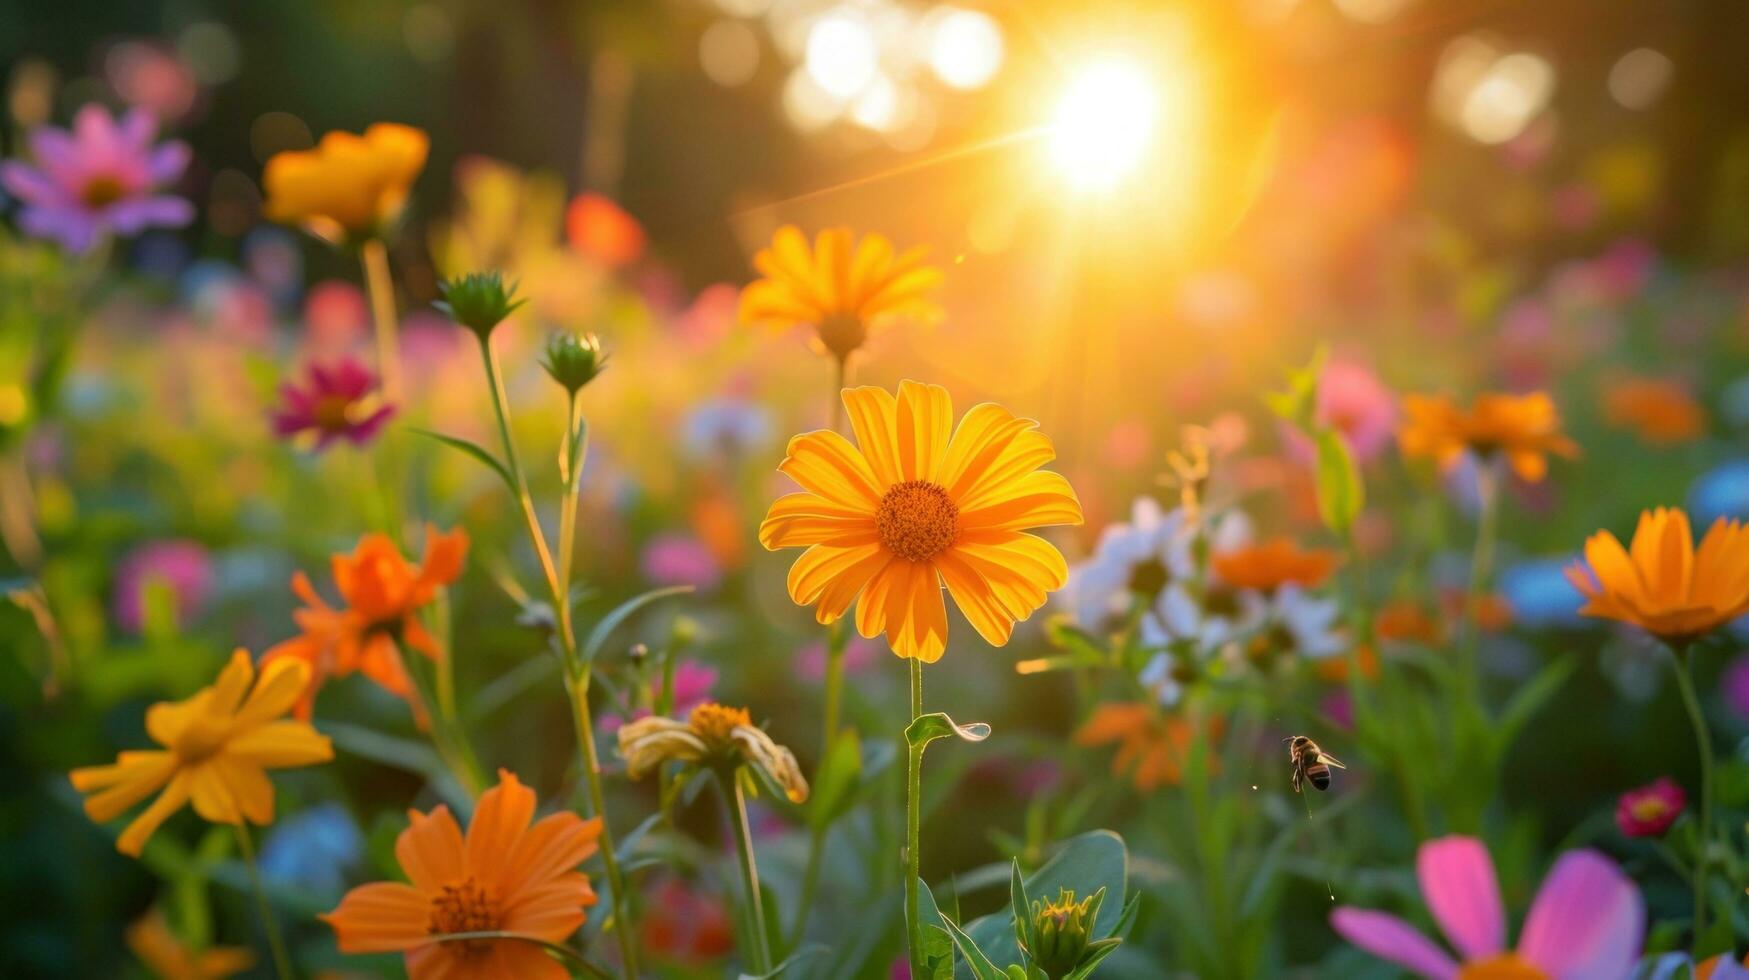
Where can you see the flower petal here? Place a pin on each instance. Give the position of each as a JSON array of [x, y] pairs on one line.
[[381, 917], [1587, 920], [1459, 886], [1390, 938], [431, 850]]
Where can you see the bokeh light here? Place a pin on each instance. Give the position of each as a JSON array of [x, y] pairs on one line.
[[728, 51], [1103, 121], [965, 47], [1639, 77], [842, 57]]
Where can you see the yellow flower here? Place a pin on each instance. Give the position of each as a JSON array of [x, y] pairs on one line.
[[841, 287], [218, 745], [1662, 583], [915, 504], [1522, 428], [348, 187], [162, 953], [711, 733]]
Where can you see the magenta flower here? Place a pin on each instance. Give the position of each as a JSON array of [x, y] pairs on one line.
[[1585, 923], [1735, 685], [1651, 809], [681, 559], [339, 401], [98, 179], [178, 565]]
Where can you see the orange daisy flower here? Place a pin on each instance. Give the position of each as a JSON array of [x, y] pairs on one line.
[[217, 748], [841, 287], [1151, 746], [1524, 429], [1662, 583], [916, 503], [169, 958], [348, 187], [506, 876], [382, 594], [1660, 411], [1269, 565]]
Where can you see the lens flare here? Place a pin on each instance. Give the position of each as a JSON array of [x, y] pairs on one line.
[[1104, 122]]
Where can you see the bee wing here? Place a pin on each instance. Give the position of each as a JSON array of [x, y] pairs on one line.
[[1330, 760]]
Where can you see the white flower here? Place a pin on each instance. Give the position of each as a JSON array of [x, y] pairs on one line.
[[1157, 677], [1141, 557], [1306, 623], [1218, 617]]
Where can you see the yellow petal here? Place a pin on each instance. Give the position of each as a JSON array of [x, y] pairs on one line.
[[281, 744], [873, 416], [825, 463], [923, 426], [134, 837]]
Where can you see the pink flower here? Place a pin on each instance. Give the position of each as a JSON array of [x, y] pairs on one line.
[[98, 179], [1735, 685], [179, 565], [1353, 401], [338, 402], [1650, 810], [811, 661], [681, 559], [1585, 923]]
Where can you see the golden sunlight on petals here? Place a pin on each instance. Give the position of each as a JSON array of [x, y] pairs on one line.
[[841, 287], [1662, 583]]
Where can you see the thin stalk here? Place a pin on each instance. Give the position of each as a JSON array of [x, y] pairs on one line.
[[761, 951], [375, 256], [576, 449], [1703, 852], [913, 803], [1481, 562], [628, 948], [275, 943], [495, 382]]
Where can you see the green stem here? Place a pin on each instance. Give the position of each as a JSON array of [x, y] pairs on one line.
[[275, 943], [761, 951], [913, 804], [1481, 563], [836, 640], [1703, 851], [580, 718]]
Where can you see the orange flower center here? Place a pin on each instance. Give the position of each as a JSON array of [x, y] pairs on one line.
[[1648, 808], [714, 723], [464, 906], [842, 333], [917, 520], [202, 737], [333, 413], [102, 192], [1506, 966]]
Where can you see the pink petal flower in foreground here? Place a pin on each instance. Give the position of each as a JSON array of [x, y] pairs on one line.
[[1585, 924], [100, 178], [337, 401]]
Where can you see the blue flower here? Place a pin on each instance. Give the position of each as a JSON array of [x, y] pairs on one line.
[[1721, 492], [312, 849], [1540, 594]]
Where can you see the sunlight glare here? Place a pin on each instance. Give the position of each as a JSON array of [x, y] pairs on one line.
[[1103, 122]]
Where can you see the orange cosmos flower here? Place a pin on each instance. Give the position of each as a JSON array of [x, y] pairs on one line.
[[1524, 429], [168, 958], [506, 876], [1660, 411], [1271, 564], [348, 187], [914, 504], [841, 287], [218, 745], [1662, 583], [382, 594], [1151, 746]]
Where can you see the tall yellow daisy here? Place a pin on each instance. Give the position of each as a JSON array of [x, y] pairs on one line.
[[1661, 582], [347, 187], [841, 287], [915, 504], [218, 746]]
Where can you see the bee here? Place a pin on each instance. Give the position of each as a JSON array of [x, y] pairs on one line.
[[1311, 764]]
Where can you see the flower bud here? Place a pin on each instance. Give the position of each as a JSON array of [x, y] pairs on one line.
[[574, 359], [1061, 930], [479, 301]]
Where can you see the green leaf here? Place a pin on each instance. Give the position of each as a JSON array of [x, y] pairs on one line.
[[982, 968], [1096, 951], [1341, 494], [619, 614], [927, 728], [1021, 907], [1085, 863], [836, 781], [807, 952], [1718, 938], [1528, 700], [937, 944], [476, 451]]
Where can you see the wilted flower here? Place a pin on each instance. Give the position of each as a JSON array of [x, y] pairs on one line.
[[574, 359], [1665, 585], [711, 735], [478, 301], [1586, 920], [1660, 411], [348, 187], [506, 876], [181, 566], [100, 178], [217, 746], [1523, 429], [337, 401], [1651, 809], [841, 287], [916, 503], [382, 594], [169, 958]]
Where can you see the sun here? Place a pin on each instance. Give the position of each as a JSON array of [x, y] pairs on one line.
[[1104, 122]]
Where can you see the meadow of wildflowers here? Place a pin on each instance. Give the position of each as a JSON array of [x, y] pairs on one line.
[[875, 489]]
